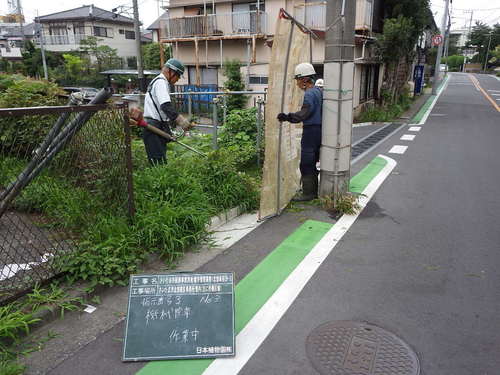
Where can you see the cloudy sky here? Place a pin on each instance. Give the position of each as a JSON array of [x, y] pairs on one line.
[[484, 10]]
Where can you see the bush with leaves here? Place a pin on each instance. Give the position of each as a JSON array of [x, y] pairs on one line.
[[239, 135], [23, 134], [234, 82]]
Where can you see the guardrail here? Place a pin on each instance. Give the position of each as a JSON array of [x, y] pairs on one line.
[[230, 24]]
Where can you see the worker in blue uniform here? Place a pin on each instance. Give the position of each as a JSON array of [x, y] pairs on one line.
[[310, 115]]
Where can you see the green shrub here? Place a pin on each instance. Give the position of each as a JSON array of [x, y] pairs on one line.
[[7, 80], [239, 136], [20, 135]]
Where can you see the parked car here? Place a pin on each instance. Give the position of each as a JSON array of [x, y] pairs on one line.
[[443, 67], [88, 93]]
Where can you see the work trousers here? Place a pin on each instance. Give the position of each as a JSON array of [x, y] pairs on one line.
[[310, 145], [156, 146]]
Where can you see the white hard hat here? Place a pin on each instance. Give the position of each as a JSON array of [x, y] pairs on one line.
[[304, 70], [319, 83]]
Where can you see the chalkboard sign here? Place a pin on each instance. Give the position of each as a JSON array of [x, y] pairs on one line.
[[180, 315]]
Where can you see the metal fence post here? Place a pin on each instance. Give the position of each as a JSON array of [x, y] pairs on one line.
[[214, 123], [259, 127], [128, 163], [224, 108], [190, 105]]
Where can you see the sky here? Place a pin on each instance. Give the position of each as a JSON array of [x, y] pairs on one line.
[[484, 10]]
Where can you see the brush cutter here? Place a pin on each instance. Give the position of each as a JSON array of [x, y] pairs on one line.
[[140, 122]]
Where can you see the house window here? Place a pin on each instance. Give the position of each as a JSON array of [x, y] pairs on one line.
[[121, 31], [79, 28], [58, 29], [129, 34], [368, 82], [132, 62], [208, 76], [101, 31], [257, 80]]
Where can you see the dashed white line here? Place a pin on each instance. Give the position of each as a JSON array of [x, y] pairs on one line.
[[414, 128], [398, 149], [408, 137]]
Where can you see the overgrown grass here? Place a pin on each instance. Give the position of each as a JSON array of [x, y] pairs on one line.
[[174, 204], [387, 113], [17, 318]]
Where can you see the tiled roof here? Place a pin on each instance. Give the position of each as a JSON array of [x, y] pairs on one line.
[[86, 12]]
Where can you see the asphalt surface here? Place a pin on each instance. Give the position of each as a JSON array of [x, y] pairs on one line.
[[420, 261]]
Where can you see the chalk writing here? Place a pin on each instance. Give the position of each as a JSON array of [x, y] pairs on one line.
[[183, 335], [207, 298]]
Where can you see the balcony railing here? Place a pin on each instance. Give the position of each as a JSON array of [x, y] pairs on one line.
[[230, 24], [313, 14], [52, 40]]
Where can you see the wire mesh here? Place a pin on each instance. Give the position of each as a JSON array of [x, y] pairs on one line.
[[43, 222]]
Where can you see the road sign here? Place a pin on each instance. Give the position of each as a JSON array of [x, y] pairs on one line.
[[437, 40], [180, 315]]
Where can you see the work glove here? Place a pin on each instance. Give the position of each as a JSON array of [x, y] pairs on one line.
[[135, 116], [283, 117], [184, 123]]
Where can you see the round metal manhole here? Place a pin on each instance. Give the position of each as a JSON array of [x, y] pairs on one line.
[[354, 348]]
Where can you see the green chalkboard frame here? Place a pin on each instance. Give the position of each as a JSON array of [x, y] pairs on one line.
[[175, 287]]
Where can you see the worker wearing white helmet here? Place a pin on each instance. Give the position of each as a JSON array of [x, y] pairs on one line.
[[310, 115], [319, 83]]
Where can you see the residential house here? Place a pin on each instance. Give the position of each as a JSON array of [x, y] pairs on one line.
[[205, 34], [63, 31], [11, 39]]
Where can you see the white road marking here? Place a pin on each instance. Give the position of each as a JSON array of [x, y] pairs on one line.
[[414, 128], [494, 90], [398, 149], [263, 322], [408, 137], [495, 94]]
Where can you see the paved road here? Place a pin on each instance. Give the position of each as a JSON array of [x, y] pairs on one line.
[[420, 261]]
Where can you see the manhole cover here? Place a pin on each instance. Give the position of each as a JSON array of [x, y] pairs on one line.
[[354, 348]]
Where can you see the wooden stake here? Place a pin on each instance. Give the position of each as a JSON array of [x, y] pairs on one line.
[[197, 58]]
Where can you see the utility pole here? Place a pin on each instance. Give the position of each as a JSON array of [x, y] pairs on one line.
[[20, 15], [39, 31], [140, 66], [337, 98], [446, 45], [468, 35], [487, 53], [440, 49]]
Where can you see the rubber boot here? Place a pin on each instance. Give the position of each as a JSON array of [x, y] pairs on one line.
[[309, 189]]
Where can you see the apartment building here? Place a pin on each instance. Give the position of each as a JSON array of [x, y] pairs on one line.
[[205, 34], [63, 31]]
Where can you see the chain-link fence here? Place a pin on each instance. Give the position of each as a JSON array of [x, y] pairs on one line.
[[47, 217]]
